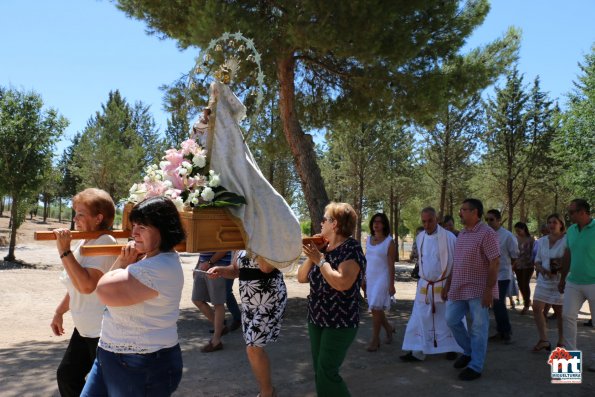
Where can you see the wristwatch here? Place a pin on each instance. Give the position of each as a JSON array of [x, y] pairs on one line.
[[322, 261]]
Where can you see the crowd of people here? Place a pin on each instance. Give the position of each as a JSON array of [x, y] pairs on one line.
[[125, 308]]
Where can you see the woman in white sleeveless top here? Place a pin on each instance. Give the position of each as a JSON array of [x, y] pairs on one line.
[[381, 252], [550, 251]]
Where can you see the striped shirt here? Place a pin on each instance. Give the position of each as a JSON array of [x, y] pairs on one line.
[[474, 251]]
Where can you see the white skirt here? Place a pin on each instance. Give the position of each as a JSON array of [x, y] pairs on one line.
[[547, 291]]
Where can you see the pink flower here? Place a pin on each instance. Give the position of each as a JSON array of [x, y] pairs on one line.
[[174, 158], [189, 146]]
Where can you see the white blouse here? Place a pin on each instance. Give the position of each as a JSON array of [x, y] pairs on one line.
[[151, 325], [86, 309]]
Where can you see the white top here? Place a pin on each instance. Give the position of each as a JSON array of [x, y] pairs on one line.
[[377, 275], [543, 256], [150, 325], [509, 249], [86, 309]]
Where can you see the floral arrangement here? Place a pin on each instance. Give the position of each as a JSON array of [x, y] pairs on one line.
[[183, 177]]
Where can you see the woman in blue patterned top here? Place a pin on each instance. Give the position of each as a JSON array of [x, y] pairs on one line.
[[335, 276]]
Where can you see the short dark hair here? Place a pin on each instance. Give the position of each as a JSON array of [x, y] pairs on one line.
[[582, 204], [448, 218], [523, 227], [496, 213], [161, 213], [429, 210], [385, 223], [475, 204]]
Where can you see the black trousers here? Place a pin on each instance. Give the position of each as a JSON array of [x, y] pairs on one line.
[[76, 364]]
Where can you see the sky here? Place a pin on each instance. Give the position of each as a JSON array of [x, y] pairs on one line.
[[73, 52]]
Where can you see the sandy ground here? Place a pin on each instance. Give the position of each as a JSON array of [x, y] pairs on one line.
[[29, 353]]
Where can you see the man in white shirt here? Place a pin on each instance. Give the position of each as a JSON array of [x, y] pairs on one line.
[[427, 331], [509, 251]]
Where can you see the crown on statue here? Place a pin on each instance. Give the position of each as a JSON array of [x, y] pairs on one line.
[[223, 59]]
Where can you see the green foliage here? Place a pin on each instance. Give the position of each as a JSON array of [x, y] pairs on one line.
[[27, 135], [449, 146], [306, 227], [334, 61], [115, 146], [519, 133], [575, 147]]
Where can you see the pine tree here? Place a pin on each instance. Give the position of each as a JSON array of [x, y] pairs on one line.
[[115, 147], [576, 145], [450, 144], [335, 58]]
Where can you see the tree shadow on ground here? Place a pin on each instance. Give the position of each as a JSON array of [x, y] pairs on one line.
[[29, 369]]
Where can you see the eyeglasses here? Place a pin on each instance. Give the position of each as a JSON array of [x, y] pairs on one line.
[[325, 219]]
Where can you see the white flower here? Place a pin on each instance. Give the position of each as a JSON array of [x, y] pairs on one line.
[[194, 200], [214, 180], [133, 188], [146, 179], [187, 165], [179, 203], [167, 183], [199, 161], [207, 194], [182, 171], [164, 164]]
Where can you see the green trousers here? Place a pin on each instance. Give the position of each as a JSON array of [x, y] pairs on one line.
[[329, 347]]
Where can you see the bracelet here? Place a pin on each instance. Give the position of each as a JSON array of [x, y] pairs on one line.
[[65, 254]]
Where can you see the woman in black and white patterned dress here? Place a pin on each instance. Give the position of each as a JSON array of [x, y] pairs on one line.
[[264, 297]]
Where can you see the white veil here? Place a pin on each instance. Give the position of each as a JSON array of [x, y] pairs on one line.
[[272, 230]]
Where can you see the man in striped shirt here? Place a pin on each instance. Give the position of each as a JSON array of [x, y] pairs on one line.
[[471, 287]]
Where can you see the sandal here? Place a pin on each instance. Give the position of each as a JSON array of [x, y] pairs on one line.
[[209, 347], [542, 345]]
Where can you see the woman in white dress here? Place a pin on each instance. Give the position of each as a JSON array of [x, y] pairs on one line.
[[547, 264], [381, 252]]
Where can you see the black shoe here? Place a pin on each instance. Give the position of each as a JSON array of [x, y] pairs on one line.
[[462, 361], [235, 325], [409, 358], [469, 374], [495, 338], [588, 323], [451, 356]]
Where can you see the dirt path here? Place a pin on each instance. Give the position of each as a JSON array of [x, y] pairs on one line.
[[29, 353]]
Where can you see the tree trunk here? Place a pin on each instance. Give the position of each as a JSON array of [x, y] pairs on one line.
[[509, 193], [360, 204], [2, 206], [13, 230], [443, 183], [60, 209], [301, 145], [72, 219], [45, 209]]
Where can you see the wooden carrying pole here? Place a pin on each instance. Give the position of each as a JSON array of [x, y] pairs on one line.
[[98, 250], [115, 249], [45, 236]]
